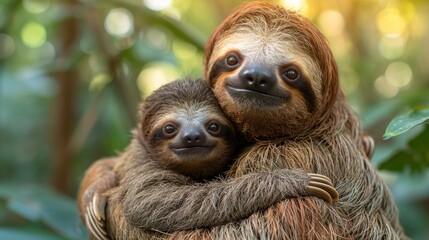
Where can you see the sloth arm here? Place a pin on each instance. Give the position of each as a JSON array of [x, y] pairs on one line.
[[166, 201], [98, 178]]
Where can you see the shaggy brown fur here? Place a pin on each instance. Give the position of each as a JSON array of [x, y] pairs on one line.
[[154, 194], [99, 178], [313, 129]]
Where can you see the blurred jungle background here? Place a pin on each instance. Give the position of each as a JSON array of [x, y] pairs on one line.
[[72, 73]]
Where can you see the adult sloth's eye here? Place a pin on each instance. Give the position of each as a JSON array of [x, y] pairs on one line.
[[232, 60], [291, 74]]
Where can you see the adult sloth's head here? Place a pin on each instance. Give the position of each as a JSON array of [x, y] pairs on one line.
[[271, 70]]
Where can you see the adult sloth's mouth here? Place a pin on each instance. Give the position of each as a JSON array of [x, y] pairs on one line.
[[194, 151]]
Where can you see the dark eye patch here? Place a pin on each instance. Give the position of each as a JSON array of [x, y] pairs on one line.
[[156, 136], [226, 63], [293, 77]]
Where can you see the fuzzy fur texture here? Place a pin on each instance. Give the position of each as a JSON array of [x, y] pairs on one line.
[[164, 201], [147, 200], [324, 142], [365, 210]]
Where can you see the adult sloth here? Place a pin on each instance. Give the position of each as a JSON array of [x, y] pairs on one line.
[[275, 76]]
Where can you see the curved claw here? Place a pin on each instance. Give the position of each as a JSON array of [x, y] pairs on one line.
[[320, 178], [322, 187], [326, 188], [99, 223], [319, 193], [99, 205], [95, 216], [94, 228]]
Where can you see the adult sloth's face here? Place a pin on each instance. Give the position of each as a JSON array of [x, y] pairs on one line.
[[272, 71]]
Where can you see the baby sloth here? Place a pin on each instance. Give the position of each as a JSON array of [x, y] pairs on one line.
[[183, 141], [184, 130]]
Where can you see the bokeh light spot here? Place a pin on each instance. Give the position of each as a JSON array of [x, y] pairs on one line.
[[156, 38], [33, 34], [36, 6], [154, 76], [297, 5], [157, 5], [390, 22], [391, 47], [184, 50], [7, 46], [385, 88], [399, 74], [331, 22], [119, 22], [99, 81]]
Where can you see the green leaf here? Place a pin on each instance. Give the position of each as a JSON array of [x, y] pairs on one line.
[[38, 203], [406, 122], [26, 208]]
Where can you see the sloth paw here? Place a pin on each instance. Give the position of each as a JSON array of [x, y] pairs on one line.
[[95, 217], [322, 187]]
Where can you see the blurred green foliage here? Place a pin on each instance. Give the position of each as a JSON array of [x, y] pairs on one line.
[[72, 73], [416, 154]]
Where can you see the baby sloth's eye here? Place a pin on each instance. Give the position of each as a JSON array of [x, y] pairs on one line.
[[169, 129], [214, 127]]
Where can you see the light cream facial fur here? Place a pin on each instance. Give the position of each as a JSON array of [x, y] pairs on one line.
[[269, 48]]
